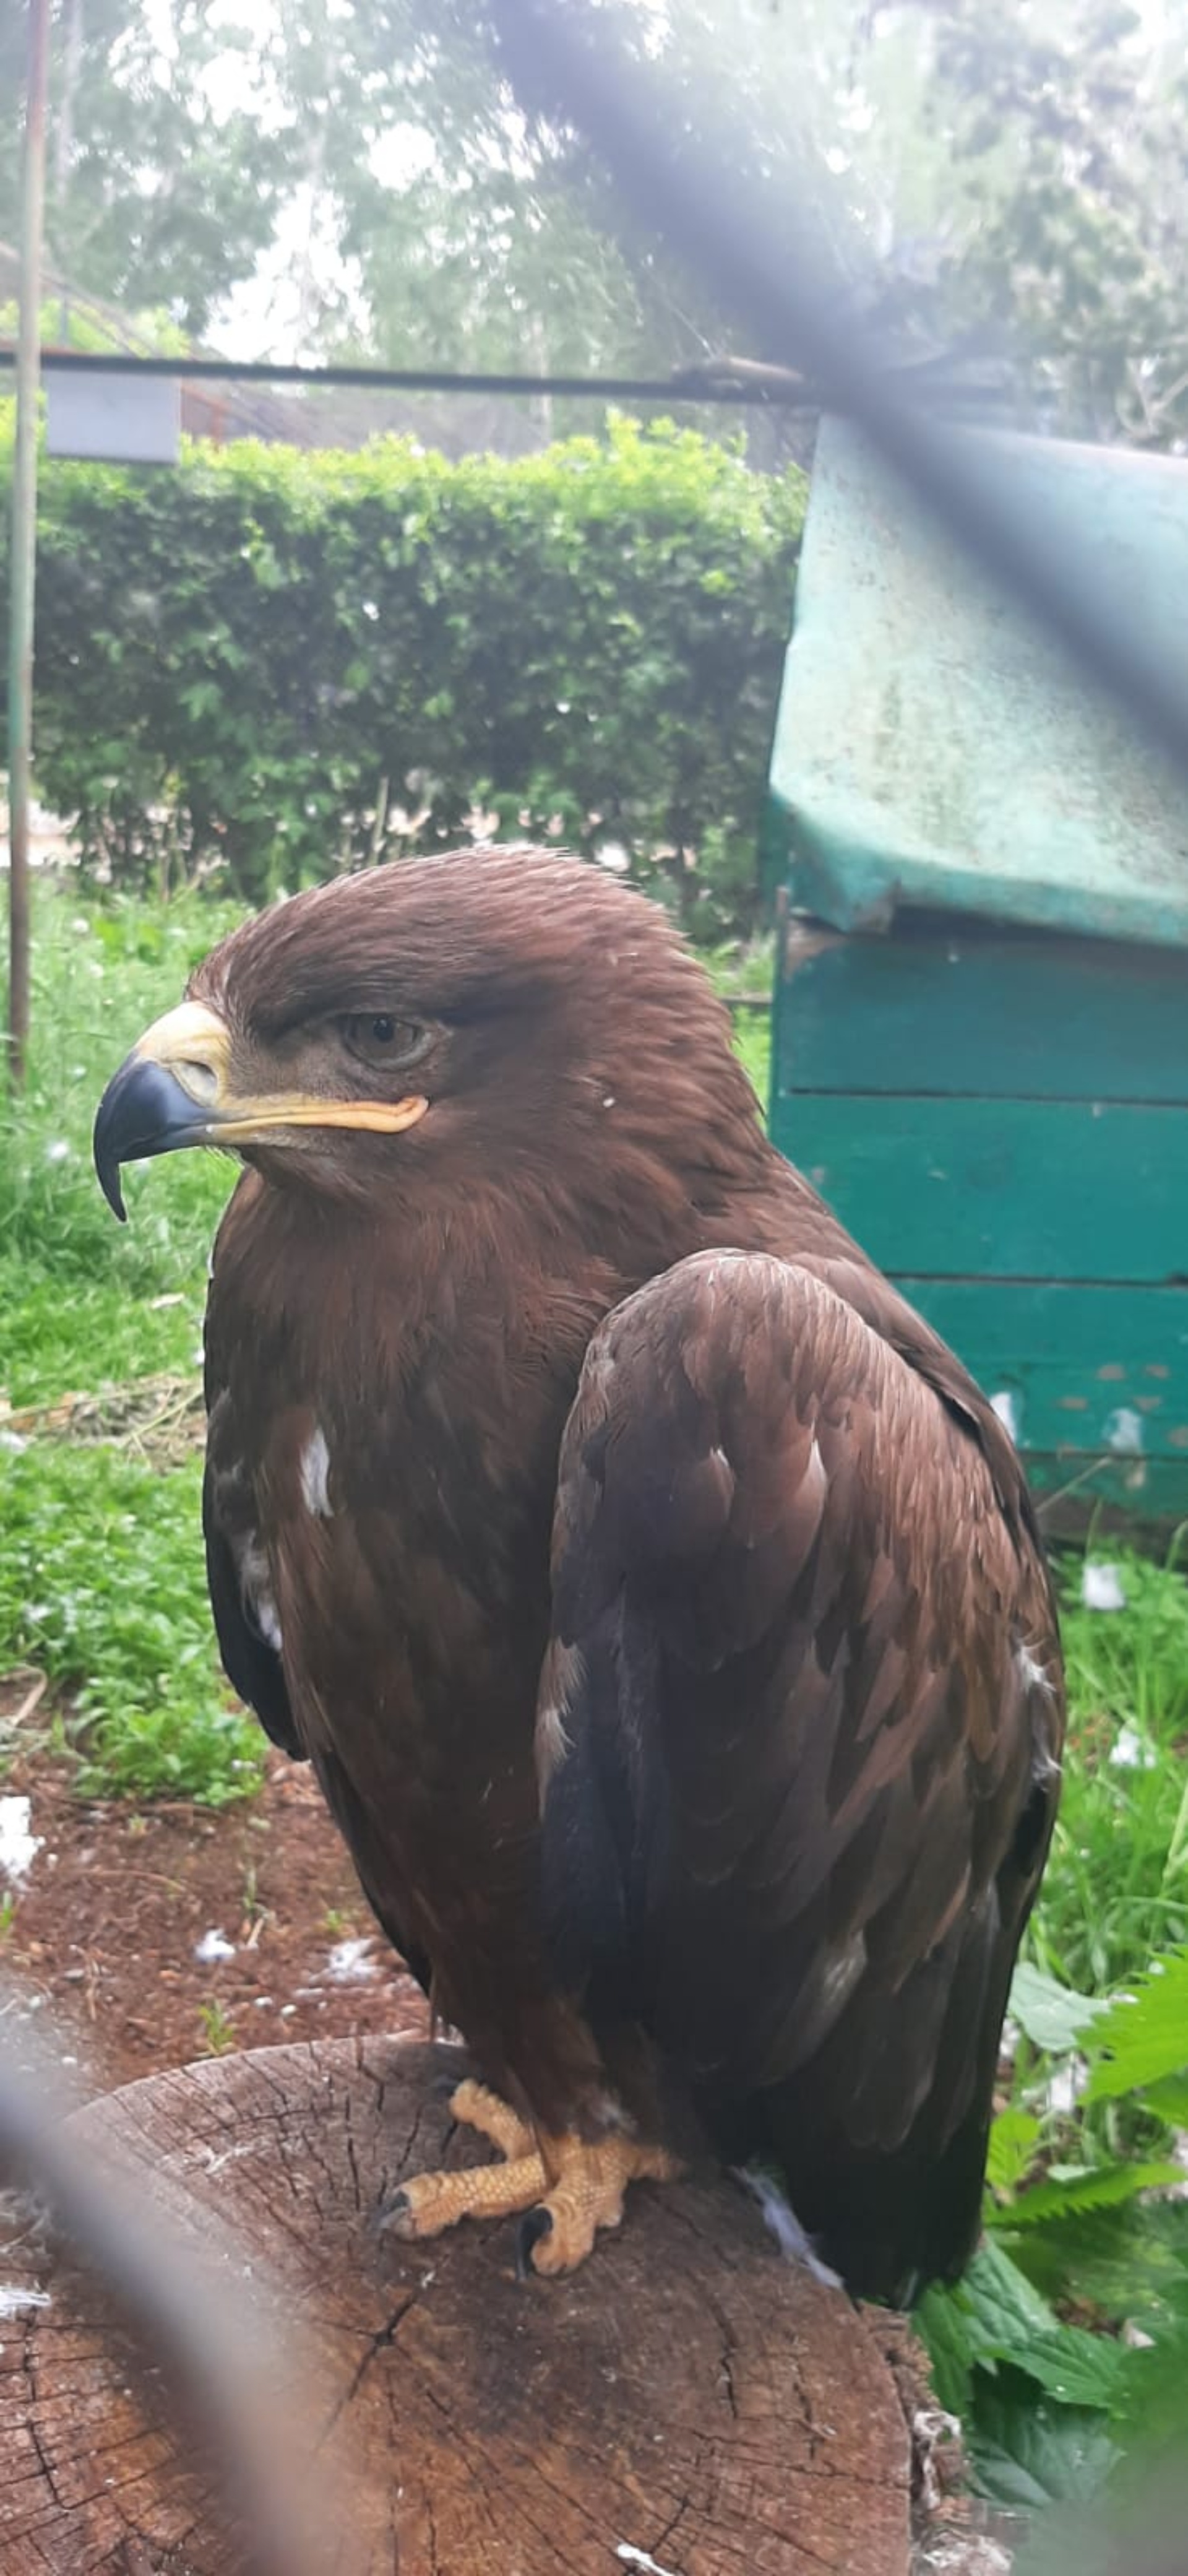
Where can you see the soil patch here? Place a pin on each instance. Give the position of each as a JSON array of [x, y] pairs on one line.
[[147, 1936]]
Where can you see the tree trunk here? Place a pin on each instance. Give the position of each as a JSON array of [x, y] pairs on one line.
[[688, 2402]]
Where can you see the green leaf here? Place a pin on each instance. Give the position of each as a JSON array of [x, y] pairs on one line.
[[1077, 2368], [1144, 2036], [1049, 2014], [1130, 2260], [1100, 2187], [1006, 2313], [1006, 2321], [1013, 2140], [944, 2329], [1033, 2453], [1156, 2387], [1170, 2100]]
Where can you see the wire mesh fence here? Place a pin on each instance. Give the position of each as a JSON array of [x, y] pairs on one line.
[[567, 62]]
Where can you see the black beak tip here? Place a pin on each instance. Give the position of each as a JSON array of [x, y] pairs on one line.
[[106, 1156], [144, 1110], [109, 1183]]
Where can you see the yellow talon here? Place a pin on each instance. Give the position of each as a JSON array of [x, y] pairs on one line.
[[478, 2108], [431, 2201], [568, 2186], [587, 2185]]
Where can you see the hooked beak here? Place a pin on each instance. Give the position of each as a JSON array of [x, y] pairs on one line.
[[175, 1089]]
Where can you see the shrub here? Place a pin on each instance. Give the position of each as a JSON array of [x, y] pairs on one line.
[[293, 662]]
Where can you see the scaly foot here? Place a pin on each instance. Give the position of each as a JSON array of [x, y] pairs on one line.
[[569, 2187], [478, 2108], [586, 2186]]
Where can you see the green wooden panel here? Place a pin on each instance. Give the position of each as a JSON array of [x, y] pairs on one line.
[[1020, 1018], [934, 750], [1146, 1491], [1086, 1369], [1000, 1189]]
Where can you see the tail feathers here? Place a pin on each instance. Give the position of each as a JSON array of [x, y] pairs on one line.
[[889, 2224], [604, 1823], [882, 2137]]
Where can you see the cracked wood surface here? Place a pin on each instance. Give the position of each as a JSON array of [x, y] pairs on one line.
[[686, 2398]]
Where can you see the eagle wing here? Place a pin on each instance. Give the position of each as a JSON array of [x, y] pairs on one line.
[[798, 1741], [237, 1574], [245, 1623]]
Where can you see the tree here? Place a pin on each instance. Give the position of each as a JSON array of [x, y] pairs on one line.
[[1070, 212], [157, 196], [955, 163], [473, 234]]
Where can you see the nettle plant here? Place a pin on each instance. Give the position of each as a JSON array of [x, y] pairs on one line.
[[1064, 2351]]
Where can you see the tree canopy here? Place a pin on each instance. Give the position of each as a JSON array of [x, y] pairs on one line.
[[357, 177]]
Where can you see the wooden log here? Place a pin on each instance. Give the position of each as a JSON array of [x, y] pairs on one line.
[[687, 2401]]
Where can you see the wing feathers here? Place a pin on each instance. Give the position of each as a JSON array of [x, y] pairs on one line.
[[802, 1740], [250, 1657]]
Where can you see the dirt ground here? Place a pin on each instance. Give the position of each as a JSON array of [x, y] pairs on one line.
[[146, 1937]]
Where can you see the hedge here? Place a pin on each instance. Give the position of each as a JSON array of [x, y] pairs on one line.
[[292, 662]]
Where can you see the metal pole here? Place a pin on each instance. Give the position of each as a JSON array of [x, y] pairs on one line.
[[24, 541]]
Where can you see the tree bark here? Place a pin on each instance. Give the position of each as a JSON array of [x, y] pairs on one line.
[[687, 2402]]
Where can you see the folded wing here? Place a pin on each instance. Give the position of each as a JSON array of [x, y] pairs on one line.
[[798, 1741]]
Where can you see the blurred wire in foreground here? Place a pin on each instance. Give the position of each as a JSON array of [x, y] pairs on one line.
[[568, 64], [189, 2318]]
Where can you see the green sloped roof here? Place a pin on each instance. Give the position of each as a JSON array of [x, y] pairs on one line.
[[934, 751]]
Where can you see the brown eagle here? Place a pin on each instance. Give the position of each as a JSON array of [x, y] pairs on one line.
[[660, 1604]]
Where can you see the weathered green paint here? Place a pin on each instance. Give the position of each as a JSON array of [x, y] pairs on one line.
[[980, 1041], [933, 750], [1006, 1189], [1086, 1368], [961, 1010], [1147, 1491], [1141, 1334]]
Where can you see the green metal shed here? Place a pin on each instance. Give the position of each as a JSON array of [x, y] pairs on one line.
[[980, 1037]]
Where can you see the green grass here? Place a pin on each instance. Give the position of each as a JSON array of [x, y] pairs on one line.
[[218, 2029], [1116, 1890], [76, 1289], [102, 1586], [743, 974], [752, 1043], [101, 1578]]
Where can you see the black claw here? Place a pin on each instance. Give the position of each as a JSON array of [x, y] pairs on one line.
[[391, 2209], [534, 2224], [446, 2079]]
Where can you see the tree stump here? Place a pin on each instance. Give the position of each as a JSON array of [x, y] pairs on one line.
[[688, 2402]]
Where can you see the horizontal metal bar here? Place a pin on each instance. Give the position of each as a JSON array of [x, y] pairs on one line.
[[762, 388]]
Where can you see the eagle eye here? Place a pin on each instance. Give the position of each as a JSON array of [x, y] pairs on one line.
[[379, 1038]]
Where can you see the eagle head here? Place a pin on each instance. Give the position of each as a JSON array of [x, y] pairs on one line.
[[428, 1023]]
